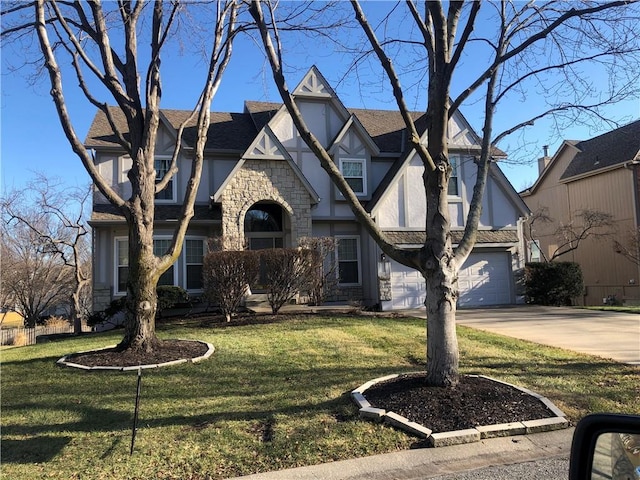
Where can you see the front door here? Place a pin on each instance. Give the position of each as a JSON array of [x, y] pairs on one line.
[[264, 229]]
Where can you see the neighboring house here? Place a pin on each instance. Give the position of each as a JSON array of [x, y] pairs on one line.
[[263, 188], [600, 174]]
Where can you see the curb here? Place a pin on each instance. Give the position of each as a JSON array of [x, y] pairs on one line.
[[63, 362], [458, 437]]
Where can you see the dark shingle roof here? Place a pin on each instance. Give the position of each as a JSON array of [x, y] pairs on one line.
[[484, 236], [227, 131], [110, 213], [385, 127], [607, 150], [236, 131]]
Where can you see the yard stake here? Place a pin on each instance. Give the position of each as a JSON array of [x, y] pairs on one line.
[[135, 413]]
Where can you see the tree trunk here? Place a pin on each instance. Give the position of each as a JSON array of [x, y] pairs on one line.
[[142, 297], [442, 342], [75, 311], [440, 267]]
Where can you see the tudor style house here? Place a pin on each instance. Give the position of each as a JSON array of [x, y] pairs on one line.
[[263, 188], [601, 174]]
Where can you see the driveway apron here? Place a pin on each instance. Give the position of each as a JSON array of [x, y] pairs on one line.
[[612, 335]]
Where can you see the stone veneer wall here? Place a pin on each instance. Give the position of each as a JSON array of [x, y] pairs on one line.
[[264, 180], [101, 297]]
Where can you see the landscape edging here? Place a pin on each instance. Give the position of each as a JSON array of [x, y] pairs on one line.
[[63, 362], [457, 437]]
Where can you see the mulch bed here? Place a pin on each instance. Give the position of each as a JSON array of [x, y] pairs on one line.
[[169, 350], [475, 401]]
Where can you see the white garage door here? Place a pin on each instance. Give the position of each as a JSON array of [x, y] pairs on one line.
[[484, 279]]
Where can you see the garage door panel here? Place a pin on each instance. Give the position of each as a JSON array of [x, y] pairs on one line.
[[484, 279]]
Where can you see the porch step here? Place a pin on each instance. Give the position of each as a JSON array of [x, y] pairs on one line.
[[256, 300]]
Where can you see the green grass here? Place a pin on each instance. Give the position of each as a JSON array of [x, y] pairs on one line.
[[272, 396]]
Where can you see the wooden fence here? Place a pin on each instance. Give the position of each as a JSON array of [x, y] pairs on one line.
[[27, 336]]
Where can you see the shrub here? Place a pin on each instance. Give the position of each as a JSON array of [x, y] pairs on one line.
[[20, 340], [227, 276], [54, 321], [170, 296], [322, 279], [286, 271], [555, 283]]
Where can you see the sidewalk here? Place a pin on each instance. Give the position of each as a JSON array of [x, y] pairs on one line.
[[431, 462]]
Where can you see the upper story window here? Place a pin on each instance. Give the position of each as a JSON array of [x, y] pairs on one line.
[[535, 254], [162, 164], [454, 189], [354, 171]]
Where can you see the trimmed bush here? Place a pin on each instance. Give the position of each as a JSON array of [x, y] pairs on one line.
[[170, 296], [287, 271], [322, 281], [554, 283], [227, 276]]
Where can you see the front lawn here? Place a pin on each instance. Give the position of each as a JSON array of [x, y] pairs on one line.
[[273, 396]]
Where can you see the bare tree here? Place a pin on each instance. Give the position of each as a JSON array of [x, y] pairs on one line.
[[105, 45], [57, 217], [323, 282], [34, 278], [630, 249], [514, 47], [585, 224]]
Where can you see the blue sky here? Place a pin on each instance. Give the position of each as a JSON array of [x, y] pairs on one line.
[[32, 139]]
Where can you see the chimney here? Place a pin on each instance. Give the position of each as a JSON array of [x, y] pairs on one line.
[[544, 161]]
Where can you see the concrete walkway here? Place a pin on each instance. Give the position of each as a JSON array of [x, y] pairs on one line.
[[604, 334]]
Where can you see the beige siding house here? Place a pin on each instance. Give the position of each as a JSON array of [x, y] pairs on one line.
[[600, 174]]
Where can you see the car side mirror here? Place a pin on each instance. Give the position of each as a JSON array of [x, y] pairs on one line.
[[606, 446]]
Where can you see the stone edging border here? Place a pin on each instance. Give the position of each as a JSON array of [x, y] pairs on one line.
[[458, 437], [63, 362]]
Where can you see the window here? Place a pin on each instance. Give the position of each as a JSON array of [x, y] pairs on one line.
[[348, 260], [354, 172], [534, 251], [193, 259], [162, 167], [264, 226], [453, 180], [160, 246], [122, 264]]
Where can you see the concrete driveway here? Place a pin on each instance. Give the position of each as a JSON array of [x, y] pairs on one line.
[[604, 334]]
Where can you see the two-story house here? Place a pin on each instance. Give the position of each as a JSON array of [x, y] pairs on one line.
[[261, 187], [601, 174]]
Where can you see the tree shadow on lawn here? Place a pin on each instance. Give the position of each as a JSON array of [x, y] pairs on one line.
[[577, 384], [92, 420], [39, 449], [188, 385]]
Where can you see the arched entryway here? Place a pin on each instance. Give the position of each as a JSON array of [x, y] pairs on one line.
[[265, 226]]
